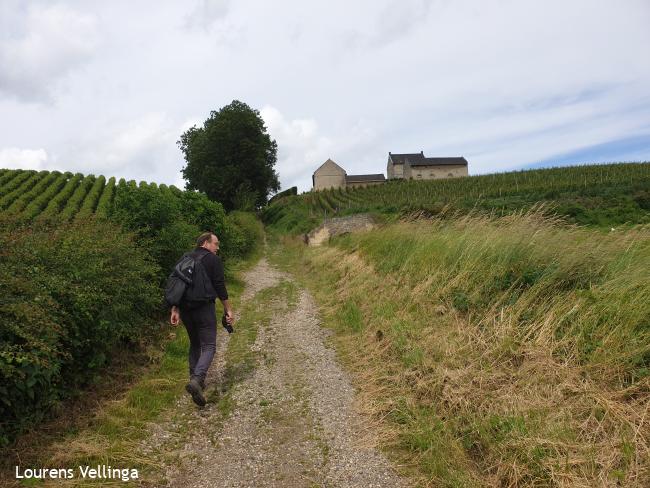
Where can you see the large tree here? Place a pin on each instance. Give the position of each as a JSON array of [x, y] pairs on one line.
[[231, 158]]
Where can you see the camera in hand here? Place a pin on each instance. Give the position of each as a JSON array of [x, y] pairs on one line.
[[226, 325]]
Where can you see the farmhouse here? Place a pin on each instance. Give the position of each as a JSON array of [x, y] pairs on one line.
[[417, 166], [331, 175], [400, 166]]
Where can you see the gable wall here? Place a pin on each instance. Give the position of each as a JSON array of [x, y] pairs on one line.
[[394, 170], [329, 175]]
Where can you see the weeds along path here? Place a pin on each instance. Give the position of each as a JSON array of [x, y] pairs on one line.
[[291, 420]]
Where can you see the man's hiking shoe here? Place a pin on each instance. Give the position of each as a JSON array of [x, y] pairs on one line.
[[201, 382], [194, 389]]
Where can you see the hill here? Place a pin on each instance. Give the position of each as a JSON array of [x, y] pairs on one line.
[[599, 195], [30, 194]]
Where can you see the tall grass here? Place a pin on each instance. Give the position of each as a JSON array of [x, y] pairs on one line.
[[508, 351]]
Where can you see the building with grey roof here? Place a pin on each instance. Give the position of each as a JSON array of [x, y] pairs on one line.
[[331, 175], [400, 166], [418, 166]]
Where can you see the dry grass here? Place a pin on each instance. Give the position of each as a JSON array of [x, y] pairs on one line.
[[496, 352]]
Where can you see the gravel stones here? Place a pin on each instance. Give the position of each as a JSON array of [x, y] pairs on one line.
[[294, 422]]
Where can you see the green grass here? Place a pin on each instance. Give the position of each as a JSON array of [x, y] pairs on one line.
[[494, 351], [112, 435]]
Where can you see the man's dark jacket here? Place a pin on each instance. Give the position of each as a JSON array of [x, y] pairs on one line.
[[214, 270]]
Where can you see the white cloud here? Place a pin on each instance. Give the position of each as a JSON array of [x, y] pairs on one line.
[[505, 83], [302, 147], [13, 157], [398, 19], [54, 41], [141, 149], [207, 12]]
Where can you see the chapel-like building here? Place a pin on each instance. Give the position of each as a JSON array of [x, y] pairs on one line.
[[331, 175]]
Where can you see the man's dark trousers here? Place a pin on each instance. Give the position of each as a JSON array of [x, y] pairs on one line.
[[201, 325]]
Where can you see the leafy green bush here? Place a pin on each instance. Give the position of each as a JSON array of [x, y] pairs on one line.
[[243, 234], [69, 293], [144, 210], [199, 210], [167, 221]]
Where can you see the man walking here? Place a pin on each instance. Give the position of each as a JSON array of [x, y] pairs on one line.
[[199, 317]]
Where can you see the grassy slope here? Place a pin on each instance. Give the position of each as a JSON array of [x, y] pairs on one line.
[[496, 352]]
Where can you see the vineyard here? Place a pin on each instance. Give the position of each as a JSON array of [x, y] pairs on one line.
[[598, 195], [63, 196]]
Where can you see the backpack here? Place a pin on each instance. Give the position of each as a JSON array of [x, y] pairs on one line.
[[188, 283]]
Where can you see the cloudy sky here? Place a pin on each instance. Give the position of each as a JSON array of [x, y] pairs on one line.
[[108, 87]]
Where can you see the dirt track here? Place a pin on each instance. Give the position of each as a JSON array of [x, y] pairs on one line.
[[294, 422]]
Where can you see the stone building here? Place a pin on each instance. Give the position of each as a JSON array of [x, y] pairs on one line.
[[328, 175], [418, 167], [331, 175], [400, 166]]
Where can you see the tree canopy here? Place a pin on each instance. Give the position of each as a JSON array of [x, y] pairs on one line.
[[231, 158]]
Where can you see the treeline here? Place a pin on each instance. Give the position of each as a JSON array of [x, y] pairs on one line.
[[81, 264]]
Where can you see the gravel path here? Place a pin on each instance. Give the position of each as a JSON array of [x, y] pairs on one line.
[[294, 423]]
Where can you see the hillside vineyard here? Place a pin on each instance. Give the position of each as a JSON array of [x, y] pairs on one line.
[[63, 196], [589, 195]]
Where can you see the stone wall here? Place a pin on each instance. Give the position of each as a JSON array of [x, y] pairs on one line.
[[324, 182], [435, 172], [363, 184], [394, 170], [338, 226]]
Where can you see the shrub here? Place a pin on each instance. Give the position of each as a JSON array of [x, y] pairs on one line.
[[243, 234], [168, 221], [69, 293]]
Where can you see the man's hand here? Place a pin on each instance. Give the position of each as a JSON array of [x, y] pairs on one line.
[[230, 317], [175, 317]]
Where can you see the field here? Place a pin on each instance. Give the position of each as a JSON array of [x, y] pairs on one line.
[[600, 195]]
